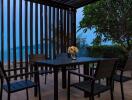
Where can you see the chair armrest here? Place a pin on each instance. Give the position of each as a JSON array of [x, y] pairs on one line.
[[24, 74], [19, 62], [82, 75], [23, 68], [119, 68]]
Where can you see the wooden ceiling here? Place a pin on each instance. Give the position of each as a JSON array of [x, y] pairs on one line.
[[64, 3]]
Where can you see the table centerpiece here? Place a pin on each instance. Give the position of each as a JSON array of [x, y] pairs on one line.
[[73, 50]]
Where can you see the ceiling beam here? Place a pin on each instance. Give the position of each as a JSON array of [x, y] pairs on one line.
[[64, 4], [85, 3], [52, 3]]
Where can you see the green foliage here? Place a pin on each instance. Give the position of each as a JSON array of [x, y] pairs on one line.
[[106, 51], [112, 20], [97, 41]]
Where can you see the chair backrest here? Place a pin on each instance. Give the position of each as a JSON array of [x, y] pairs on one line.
[[105, 69], [36, 57], [2, 72], [39, 57], [109, 55], [128, 65], [62, 56]]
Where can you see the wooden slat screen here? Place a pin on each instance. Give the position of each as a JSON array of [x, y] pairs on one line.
[[8, 38], [14, 36], [2, 30], [31, 28], [65, 4]]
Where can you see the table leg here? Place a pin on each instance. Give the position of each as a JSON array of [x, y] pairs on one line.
[[86, 72], [55, 84], [35, 79], [64, 78]]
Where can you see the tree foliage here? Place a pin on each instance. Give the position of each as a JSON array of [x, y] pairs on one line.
[[112, 20]]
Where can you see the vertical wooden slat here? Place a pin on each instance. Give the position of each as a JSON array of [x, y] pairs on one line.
[[8, 34], [74, 26], [61, 29], [31, 28], [41, 29], [64, 24], [14, 36], [68, 28], [2, 31], [57, 37], [71, 27], [36, 27], [20, 35], [26, 32], [66, 39], [54, 33], [1, 28], [46, 43], [50, 43]]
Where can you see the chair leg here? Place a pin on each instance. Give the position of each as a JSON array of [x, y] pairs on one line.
[[35, 88], [122, 91], [99, 95], [113, 86], [1, 89], [111, 92], [27, 94], [91, 98], [68, 91], [45, 78], [99, 81], [79, 72], [8, 96], [39, 90]]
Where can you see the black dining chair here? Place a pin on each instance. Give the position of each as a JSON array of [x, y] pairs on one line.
[[120, 77], [43, 70], [105, 69], [11, 86]]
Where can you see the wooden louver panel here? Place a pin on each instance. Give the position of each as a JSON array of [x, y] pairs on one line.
[[33, 29]]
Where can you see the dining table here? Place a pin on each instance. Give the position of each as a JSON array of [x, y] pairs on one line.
[[63, 63]]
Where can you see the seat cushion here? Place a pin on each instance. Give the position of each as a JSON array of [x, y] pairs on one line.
[[18, 86], [86, 86], [124, 78]]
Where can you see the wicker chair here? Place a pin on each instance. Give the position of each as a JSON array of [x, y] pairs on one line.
[[43, 70], [18, 84], [105, 69], [122, 78]]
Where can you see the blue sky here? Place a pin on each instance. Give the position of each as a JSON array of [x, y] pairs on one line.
[[89, 35]]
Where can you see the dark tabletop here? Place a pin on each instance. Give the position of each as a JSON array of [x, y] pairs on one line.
[[69, 61]]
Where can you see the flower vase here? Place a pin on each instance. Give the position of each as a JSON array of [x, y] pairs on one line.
[[73, 56]]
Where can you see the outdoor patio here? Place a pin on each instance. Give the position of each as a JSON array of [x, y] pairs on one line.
[[47, 91], [38, 38]]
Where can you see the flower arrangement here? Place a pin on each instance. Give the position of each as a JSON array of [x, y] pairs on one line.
[[72, 50]]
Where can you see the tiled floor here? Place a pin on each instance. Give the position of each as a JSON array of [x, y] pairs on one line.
[[47, 92]]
